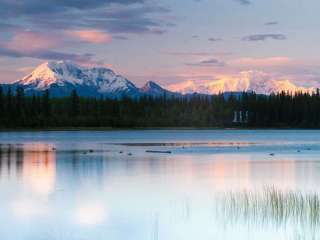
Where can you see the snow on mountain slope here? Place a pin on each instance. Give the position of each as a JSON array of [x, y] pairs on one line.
[[61, 77], [153, 89], [61, 73], [246, 81]]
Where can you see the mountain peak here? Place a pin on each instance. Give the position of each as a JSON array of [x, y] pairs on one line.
[[153, 89], [62, 77], [151, 85], [61, 72], [248, 81], [53, 66]]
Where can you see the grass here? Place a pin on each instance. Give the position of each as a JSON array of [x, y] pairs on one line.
[[272, 206]]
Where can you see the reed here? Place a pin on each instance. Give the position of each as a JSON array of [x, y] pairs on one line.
[[272, 206]]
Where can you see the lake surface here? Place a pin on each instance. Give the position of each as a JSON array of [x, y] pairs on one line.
[[215, 184]]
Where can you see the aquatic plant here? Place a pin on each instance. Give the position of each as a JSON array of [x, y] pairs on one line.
[[271, 206]]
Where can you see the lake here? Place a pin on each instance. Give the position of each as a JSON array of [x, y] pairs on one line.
[[160, 184]]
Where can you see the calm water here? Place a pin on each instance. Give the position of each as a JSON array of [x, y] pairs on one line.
[[214, 185]]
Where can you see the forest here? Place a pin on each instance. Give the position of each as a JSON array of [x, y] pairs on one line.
[[281, 110]]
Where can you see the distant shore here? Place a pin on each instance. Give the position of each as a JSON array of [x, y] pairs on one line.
[[140, 129]]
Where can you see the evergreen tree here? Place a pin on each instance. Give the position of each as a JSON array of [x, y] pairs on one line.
[[299, 110], [20, 105], [2, 109], [9, 116], [46, 105], [74, 103]]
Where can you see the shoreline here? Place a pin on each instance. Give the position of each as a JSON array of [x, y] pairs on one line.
[[58, 129]]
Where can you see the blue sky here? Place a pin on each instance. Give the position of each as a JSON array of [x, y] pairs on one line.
[[168, 41]]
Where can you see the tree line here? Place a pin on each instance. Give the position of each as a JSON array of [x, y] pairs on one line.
[[281, 110]]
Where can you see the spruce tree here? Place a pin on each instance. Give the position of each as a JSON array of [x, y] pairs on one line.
[[74, 103], [46, 105]]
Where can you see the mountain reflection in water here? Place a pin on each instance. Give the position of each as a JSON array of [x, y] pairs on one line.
[[102, 193]]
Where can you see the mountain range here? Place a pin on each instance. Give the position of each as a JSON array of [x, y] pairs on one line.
[[62, 77], [247, 81]]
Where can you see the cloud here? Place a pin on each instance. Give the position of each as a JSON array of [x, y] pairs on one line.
[[33, 41], [37, 45], [8, 27], [244, 2], [262, 62], [188, 53], [306, 70], [90, 36], [113, 16], [40, 45], [212, 62], [29, 41], [40, 29], [264, 37], [214, 39], [198, 54], [132, 19], [271, 23], [46, 54], [38, 7], [120, 37]]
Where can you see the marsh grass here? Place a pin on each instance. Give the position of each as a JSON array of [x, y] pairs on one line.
[[272, 206]]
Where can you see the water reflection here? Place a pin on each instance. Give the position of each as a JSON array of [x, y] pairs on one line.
[[91, 213], [39, 171], [54, 194], [35, 164]]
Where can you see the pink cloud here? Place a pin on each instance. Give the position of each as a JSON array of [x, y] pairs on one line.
[[90, 36], [29, 41], [281, 66], [263, 62], [32, 41]]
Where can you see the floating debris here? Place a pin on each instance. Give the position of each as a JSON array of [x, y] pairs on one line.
[[188, 144], [151, 151]]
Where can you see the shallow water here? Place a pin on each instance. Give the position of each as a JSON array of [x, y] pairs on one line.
[[217, 184]]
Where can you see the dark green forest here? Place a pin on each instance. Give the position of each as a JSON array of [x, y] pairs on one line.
[[282, 110]]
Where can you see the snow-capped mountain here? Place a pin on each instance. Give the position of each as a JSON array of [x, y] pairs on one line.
[[61, 77], [153, 89], [248, 81]]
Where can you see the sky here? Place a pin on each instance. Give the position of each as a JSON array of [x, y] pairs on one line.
[[167, 41]]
